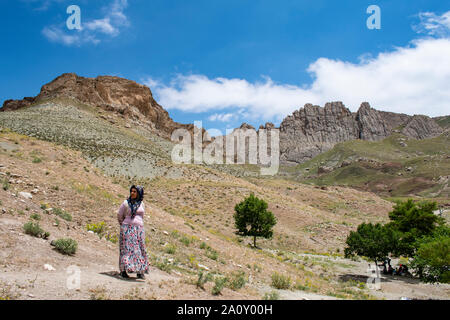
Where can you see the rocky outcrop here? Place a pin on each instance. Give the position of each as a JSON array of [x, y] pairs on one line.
[[312, 130], [421, 127], [126, 97], [371, 124]]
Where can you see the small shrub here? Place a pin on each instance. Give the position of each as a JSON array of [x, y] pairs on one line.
[[112, 238], [7, 292], [301, 287], [203, 245], [66, 246], [98, 228], [219, 283], [237, 280], [170, 249], [280, 281], [35, 216], [273, 295], [192, 261], [5, 184], [212, 254], [185, 240], [63, 214], [202, 279], [35, 230], [37, 160], [99, 293], [164, 265]]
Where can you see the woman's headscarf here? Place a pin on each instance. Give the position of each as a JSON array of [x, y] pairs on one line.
[[135, 203]]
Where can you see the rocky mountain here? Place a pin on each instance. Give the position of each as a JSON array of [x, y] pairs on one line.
[[125, 97], [309, 131], [312, 130]]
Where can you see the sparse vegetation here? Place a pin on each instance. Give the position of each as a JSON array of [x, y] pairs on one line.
[[97, 228], [99, 293], [114, 238], [63, 214], [280, 281], [219, 284], [202, 279], [35, 230], [212, 254], [35, 216], [273, 295], [7, 292], [185, 240], [163, 265], [237, 280], [66, 246], [5, 184], [36, 160], [170, 248]]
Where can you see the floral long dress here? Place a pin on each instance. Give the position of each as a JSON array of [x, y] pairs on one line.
[[133, 253]]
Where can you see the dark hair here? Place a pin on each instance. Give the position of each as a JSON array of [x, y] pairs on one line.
[[140, 191]]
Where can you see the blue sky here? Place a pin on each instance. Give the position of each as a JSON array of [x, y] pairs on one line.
[[234, 61]]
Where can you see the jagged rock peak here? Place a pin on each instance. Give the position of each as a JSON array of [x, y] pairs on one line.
[[312, 129]]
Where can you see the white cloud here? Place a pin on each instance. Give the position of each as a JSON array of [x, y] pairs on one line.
[[91, 30], [43, 4], [414, 79], [103, 25], [222, 117], [433, 25]]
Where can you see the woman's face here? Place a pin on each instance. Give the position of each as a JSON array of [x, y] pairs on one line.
[[133, 193]]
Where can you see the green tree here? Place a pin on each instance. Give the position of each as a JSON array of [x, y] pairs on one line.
[[251, 218], [374, 241], [431, 261], [413, 221]]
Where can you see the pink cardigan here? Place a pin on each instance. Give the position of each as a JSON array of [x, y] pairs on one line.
[[124, 214]]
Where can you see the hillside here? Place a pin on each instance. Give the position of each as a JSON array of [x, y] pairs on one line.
[[396, 166], [181, 216], [443, 121]]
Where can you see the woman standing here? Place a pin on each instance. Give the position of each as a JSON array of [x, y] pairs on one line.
[[133, 255]]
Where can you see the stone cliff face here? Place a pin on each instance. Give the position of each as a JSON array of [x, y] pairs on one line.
[[132, 100], [312, 130], [422, 127]]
